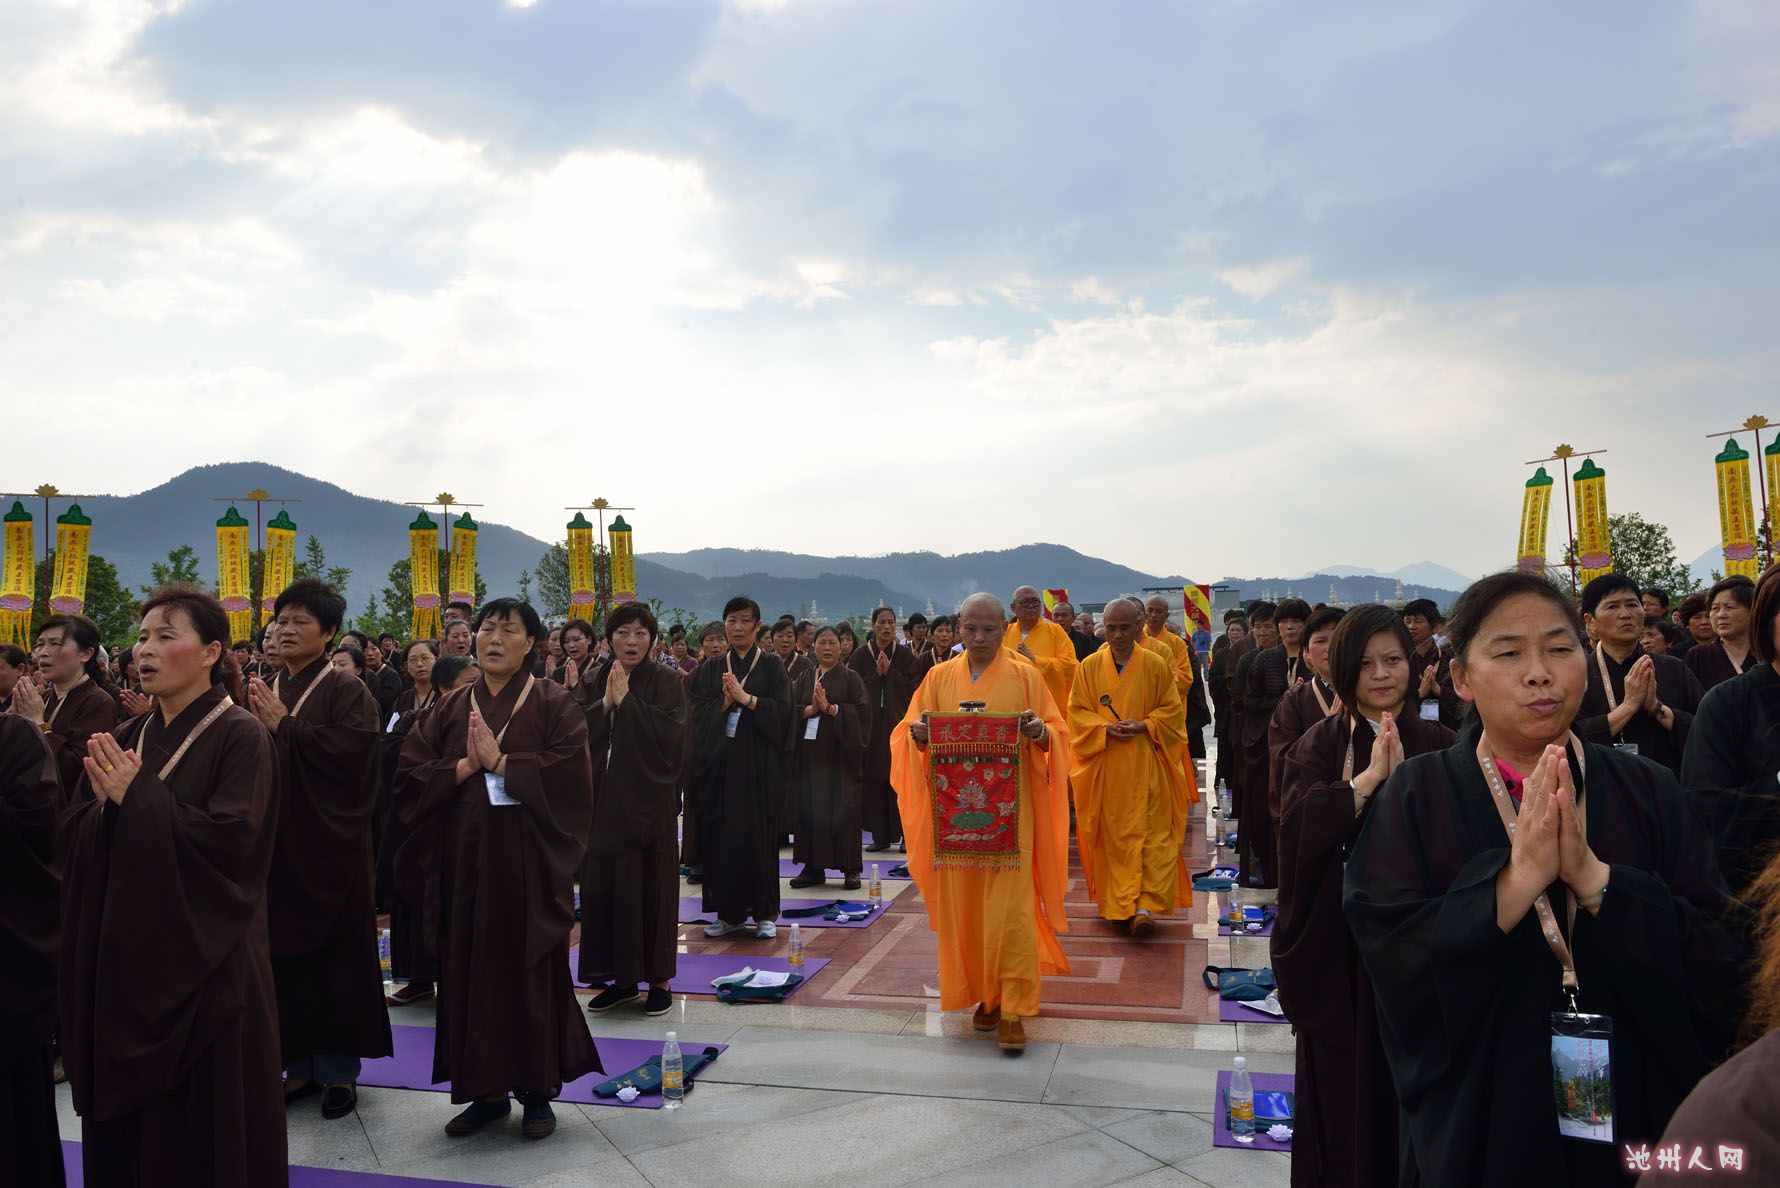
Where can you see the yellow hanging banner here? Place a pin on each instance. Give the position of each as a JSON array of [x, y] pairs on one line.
[[1534, 508], [581, 582], [1594, 551], [624, 563], [278, 564], [233, 567], [1771, 456], [74, 538], [1736, 516], [423, 577], [463, 560], [18, 582]]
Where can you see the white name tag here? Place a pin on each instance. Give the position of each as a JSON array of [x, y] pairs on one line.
[[497, 788], [393, 719], [1626, 748], [1430, 711], [734, 720], [809, 729]]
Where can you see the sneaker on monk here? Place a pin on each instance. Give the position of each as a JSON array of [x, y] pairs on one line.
[[985, 1017], [478, 1115], [610, 997], [540, 1119], [765, 929], [659, 1002], [1011, 1036], [808, 878], [721, 929]]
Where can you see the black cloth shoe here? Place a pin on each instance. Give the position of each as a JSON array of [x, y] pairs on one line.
[[539, 1121], [808, 878], [877, 847], [659, 1002], [337, 1101], [852, 883], [696, 877], [478, 1115], [610, 997], [412, 992]]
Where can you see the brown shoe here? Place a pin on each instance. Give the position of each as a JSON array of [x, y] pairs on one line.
[[1142, 924], [1011, 1036], [985, 1017]]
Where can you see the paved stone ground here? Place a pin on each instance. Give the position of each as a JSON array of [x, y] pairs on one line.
[[862, 1081]]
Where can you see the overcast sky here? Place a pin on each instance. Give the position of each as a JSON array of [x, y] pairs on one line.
[[1214, 287]]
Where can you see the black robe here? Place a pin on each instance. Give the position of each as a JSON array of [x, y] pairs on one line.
[[168, 1022], [1345, 1135], [410, 959], [889, 697], [1464, 1009], [1452, 707], [1733, 755], [1267, 676], [1711, 665], [826, 772], [90, 710], [1296, 713], [630, 879], [740, 784], [30, 923], [1676, 688], [497, 882]]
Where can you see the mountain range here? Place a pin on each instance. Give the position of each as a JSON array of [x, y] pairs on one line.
[[367, 535]]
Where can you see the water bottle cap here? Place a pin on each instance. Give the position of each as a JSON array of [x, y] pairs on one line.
[[1241, 1061], [672, 1037], [874, 870]]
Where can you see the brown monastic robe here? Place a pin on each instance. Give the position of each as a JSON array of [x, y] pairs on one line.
[[30, 916], [410, 958], [630, 880], [168, 1023], [888, 697], [319, 897], [500, 886], [689, 855], [90, 710], [825, 772], [1346, 1132], [1303, 706]]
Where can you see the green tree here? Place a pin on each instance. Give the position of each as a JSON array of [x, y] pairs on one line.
[[110, 605], [1644, 552], [525, 585], [314, 563], [397, 616], [180, 566], [552, 575]]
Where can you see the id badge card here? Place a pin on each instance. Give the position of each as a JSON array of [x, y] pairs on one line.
[[1625, 748], [1582, 1075], [497, 788], [390, 726], [1430, 711], [809, 729], [730, 723]]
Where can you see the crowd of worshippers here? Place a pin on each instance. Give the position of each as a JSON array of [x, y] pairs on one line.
[[1495, 835]]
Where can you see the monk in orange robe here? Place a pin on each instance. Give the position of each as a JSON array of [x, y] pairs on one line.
[[1127, 732], [997, 928], [1043, 642], [1180, 655]]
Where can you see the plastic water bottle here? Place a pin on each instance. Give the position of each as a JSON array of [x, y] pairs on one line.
[[673, 1077], [874, 890], [1234, 908], [385, 961], [795, 955], [1242, 1104], [1226, 805]]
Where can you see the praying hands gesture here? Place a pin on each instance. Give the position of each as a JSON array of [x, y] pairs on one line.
[[1547, 844], [110, 768], [571, 674], [1640, 694], [617, 685], [883, 661], [1026, 652], [134, 703], [484, 748], [265, 704], [1387, 753], [1430, 679], [733, 693], [819, 702], [27, 697]]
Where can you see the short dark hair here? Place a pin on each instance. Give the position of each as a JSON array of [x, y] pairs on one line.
[[825, 629], [1427, 608], [803, 624], [1323, 619], [741, 602], [13, 654], [1761, 623], [1694, 604], [431, 645], [1261, 611], [845, 628], [85, 634], [208, 618], [1292, 608], [390, 636], [1597, 590], [356, 638], [1347, 651], [511, 608], [1483, 596], [1737, 586], [916, 620], [632, 612], [1665, 628], [1656, 592], [940, 621], [465, 607], [785, 625], [1235, 615], [449, 668], [357, 654], [882, 610], [709, 630], [585, 628], [318, 598]]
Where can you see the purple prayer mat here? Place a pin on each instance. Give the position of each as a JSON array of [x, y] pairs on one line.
[[790, 870], [1230, 1011], [695, 971], [412, 1067], [692, 913], [1220, 1126], [300, 1177]]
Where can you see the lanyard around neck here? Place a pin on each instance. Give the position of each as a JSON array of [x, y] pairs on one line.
[[483, 714], [216, 712], [62, 699]]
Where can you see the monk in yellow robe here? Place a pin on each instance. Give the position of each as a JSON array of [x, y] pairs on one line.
[[1043, 642], [997, 928], [1180, 656], [1127, 727]]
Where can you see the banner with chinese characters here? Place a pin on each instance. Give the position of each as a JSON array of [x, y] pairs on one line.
[[973, 780], [1534, 508], [1052, 598], [1197, 602], [624, 563], [1771, 457], [463, 560], [232, 574], [581, 579], [278, 564], [1736, 516], [18, 582], [74, 539], [423, 577], [1593, 550]]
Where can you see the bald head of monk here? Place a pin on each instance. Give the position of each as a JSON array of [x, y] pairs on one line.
[[1122, 624], [1064, 615], [982, 621], [1155, 614], [1027, 605]]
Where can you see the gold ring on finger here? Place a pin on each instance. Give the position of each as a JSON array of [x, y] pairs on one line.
[[109, 769]]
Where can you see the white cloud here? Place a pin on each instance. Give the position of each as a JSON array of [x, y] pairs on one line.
[[1258, 282]]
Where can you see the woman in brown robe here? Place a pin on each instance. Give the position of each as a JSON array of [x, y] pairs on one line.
[[30, 797], [891, 673], [409, 958], [67, 693], [1304, 704], [1345, 1135], [496, 786], [168, 1024], [630, 880], [834, 716]]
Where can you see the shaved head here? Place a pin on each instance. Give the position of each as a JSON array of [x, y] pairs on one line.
[[982, 621], [1122, 622], [1155, 614]]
